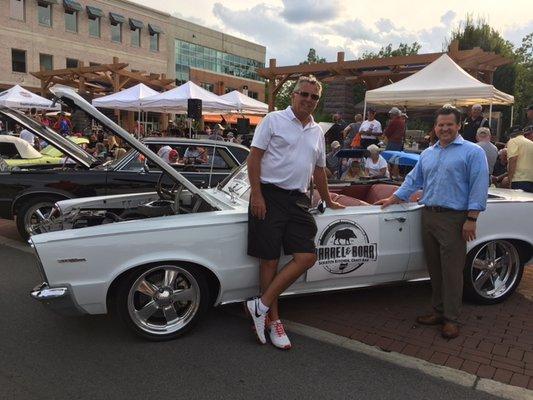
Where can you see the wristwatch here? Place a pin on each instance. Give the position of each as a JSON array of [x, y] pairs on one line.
[[471, 219]]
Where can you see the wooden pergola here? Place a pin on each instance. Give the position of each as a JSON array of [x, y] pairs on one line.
[[103, 79], [377, 72]]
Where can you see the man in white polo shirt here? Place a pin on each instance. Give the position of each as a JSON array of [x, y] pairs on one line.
[[287, 150]]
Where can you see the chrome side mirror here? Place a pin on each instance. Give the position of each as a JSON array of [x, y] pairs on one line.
[[319, 209]]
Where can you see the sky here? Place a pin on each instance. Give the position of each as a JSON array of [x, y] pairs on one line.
[[288, 28]]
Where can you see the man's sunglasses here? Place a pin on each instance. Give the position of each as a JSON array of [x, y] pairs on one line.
[[314, 97]]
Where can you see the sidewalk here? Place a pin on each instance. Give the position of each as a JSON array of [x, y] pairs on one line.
[[496, 342]]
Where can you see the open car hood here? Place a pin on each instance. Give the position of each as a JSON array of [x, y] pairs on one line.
[[69, 96], [71, 149]]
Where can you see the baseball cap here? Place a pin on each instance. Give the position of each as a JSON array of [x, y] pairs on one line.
[[335, 144], [371, 109], [395, 111]]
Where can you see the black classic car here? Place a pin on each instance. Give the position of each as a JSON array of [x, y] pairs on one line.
[[28, 194]]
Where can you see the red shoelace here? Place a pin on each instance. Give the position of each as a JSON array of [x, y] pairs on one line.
[[278, 326]]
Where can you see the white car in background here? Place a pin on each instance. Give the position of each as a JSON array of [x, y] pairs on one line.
[[161, 259]]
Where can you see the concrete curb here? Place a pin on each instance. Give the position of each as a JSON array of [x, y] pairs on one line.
[[448, 374], [15, 244]]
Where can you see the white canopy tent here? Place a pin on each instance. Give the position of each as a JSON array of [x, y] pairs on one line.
[[18, 97], [245, 104], [175, 100], [441, 82], [127, 99]]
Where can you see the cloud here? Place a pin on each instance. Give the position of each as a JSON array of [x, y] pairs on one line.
[[448, 18], [515, 34], [384, 25], [303, 11]]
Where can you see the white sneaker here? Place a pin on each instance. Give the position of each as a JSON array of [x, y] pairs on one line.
[[259, 320], [278, 337]]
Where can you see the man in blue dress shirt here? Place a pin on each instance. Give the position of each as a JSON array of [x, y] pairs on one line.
[[453, 174]]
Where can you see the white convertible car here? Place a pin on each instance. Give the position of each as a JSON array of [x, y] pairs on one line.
[[161, 259]]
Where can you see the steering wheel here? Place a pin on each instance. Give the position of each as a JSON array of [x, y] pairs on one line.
[[164, 193]]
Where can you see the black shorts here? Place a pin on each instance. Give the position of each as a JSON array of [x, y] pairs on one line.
[[287, 223]]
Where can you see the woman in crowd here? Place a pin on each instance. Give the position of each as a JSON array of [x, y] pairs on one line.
[[375, 165], [354, 171]]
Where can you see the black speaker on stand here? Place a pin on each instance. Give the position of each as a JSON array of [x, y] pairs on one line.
[[243, 126], [194, 111]]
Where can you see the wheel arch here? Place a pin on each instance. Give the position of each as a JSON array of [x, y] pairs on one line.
[[523, 245], [212, 279], [21, 199]]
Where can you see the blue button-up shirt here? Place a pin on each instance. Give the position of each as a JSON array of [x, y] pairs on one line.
[[455, 176]]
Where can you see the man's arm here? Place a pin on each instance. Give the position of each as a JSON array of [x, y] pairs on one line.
[[321, 183], [413, 182], [257, 202], [478, 193], [511, 168]]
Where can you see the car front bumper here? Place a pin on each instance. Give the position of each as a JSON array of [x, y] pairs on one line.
[[58, 299]]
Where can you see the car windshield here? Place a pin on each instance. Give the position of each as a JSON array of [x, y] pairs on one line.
[[237, 183]]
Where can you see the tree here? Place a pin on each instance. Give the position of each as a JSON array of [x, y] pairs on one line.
[[404, 49], [524, 77], [313, 58]]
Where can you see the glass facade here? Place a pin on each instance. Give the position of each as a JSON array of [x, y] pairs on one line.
[[46, 62], [136, 37], [44, 14], [116, 32], [196, 56], [94, 27], [71, 21]]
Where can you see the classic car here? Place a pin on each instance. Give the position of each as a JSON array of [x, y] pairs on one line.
[[28, 193], [161, 259]]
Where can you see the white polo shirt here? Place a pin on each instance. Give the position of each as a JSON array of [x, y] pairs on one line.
[[373, 126], [291, 150]]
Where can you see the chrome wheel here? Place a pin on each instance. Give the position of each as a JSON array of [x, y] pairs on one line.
[[36, 214], [495, 269], [163, 299]]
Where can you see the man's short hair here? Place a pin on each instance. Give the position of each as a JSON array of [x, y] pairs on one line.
[[448, 109], [307, 79], [477, 107]]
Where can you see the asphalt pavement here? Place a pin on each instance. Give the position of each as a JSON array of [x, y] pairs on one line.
[[46, 356]]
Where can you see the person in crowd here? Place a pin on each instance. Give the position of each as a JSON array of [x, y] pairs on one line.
[[28, 137], [288, 148], [111, 146], [63, 125], [91, 146], [45, 120], [216, 133], [100, 151], [351, 130], [454, 177], [173, 156], [520, 160], [164, 151], [173, 129], [195, 155], [335, 133], [207, 130], [483, 137], [120, 153], [375, 165], [332, 161], [529, 115], [395, 130], [473, 122], [370, 129], [354, 170], [499, 177], [230, 137]]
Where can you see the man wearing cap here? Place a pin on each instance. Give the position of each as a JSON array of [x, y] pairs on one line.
[[520, 160], [370, 129], [454, 177], [473, 123], [491, 151], [395, 130], [287, 150], [332, 162]]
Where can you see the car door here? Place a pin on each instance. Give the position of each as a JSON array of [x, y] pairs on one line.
[[362, 245]]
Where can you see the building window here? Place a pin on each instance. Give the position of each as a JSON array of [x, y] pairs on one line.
[[94, 27], [46, 62], [116, 32], [93, 64], [253, 95], [136, 37], [17, 10], [154, 41], [190, 55], [71, 21], [208, 86], [18, 60], [44, 13], [72, 63]]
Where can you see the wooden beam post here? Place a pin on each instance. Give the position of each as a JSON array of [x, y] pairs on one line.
[[82, 88], [271, 86]]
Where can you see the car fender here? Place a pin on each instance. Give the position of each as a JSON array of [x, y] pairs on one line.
[[51, 192], [499, 236]]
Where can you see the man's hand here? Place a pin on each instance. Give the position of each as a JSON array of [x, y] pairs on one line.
[[334, 205], [469, 230], [258, 205], [389, 201]]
